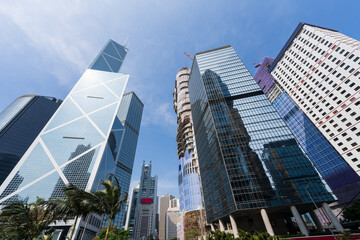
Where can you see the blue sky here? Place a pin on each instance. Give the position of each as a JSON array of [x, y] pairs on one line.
[[45, 46]]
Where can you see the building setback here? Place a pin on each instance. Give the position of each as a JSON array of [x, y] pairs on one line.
[[341, 178], [79, 131], [248, 158], [318, 69], [20, 124], [146, 206]]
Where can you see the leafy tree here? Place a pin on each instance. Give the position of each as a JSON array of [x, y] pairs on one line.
[[352, 213], [114, 234], [192, 233], [20, 220], [76, 204]]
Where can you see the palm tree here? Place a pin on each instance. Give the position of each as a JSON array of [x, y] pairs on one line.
[[20, 220], [76, 204], [105, 201]]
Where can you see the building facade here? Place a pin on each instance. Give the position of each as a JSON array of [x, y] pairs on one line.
[[78, 134], [172, 219], [341, 178], [246, 152], [20, 123], [164, 205], [131, 209], [124, 141], [318, 69], [145, 213], [189, 184]]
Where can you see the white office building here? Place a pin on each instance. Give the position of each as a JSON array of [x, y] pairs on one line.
[[319, 69]]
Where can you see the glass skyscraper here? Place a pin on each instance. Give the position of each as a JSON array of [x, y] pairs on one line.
[[248, 158], [341, 178], [124, 142], [80, 142], [20, 123]]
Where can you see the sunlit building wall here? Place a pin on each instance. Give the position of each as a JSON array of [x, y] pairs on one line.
[[77, 135]]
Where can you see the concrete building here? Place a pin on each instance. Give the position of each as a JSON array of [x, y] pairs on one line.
[[164, 205], [172, 219], [145, 213], [254, 175], [189, 184]]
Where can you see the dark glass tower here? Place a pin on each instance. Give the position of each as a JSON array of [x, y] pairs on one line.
[[248, 158], [20, 123], [123, 141]]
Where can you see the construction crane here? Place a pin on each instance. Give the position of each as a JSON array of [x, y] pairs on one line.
[[189, 56]]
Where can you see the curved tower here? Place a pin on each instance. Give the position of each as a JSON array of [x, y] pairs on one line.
[[191, 203]]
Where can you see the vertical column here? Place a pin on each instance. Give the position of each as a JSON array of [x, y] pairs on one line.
[[316, 220], [332, 217], [267, 223], [234, 226], [222, 226], [299, 221], [212, 227]]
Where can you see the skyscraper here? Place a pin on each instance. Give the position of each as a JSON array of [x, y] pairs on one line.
[[146, 207], [340, 177], [79, 130], [188, 171], [20, 123], [164, 205], [248, 158], [318, 69], [172, 219], [123, 141], [131, 209]]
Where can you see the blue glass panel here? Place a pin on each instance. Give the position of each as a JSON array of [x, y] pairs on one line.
[[113, 63], [101, 64], [77, 172], [121, 50], [43, 188], [66, 112], [13, 109], [94, 98], [118, 85], [28, 171], [88, 79], [63, 142], [107, 165], [110, 49], [117, 124], [103, 118]]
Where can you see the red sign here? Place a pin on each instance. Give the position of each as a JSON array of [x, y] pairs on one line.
[[146, 200]]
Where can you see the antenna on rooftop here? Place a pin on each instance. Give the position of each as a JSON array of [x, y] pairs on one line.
[[259, 63], [126, 42]]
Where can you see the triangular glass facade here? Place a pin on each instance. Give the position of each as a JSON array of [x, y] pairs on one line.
[[70, 148]]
